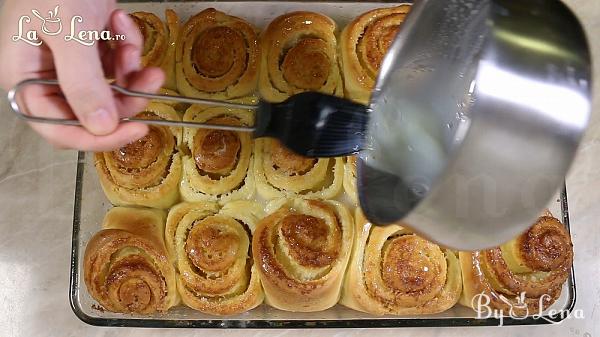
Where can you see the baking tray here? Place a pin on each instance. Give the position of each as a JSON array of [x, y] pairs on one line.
[[91, 205]]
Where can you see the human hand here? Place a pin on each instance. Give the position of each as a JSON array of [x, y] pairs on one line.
[[81, 71]]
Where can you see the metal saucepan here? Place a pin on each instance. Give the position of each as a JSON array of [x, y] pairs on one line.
[[477, 115]]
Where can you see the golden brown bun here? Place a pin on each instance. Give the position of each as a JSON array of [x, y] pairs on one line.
[[146, 172], [299, 54], [216, 274], [393, 271], [364, 43], [517, 277], [159, 42], [217, 56], [302, 249], [126, 265], [281, 173], [219, 165]]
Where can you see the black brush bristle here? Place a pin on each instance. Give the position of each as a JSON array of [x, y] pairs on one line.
[[315, 125]]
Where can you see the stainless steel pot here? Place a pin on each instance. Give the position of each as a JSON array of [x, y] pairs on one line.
[[477, 115]]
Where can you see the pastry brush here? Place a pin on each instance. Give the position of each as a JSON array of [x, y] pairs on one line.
[[311, 124]]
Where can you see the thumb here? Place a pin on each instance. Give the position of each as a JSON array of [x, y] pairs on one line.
[[82, 81]]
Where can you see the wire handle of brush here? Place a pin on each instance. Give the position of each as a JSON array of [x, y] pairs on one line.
[[21, 111]]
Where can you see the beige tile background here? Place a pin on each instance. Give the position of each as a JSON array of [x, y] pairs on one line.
[[36, 202]]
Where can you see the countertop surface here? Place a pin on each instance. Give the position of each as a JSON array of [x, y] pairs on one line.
[[37, 186]]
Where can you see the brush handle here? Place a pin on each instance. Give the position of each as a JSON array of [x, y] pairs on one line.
[[21, 111]]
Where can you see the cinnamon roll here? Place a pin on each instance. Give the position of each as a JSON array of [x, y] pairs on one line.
[[159, 42], [212, 247], [350, 178], [219, 164], [299, 52], [524, 276], [146, 172], [217, 56], [364, 43], [279, 173], [302, 249], [394, 271], [126, 266]]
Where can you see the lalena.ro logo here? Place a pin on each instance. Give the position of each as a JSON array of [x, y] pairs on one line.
[[29, 29], [518, 309]]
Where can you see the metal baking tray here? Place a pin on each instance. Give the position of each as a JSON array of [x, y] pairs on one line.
[[91, 206]]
